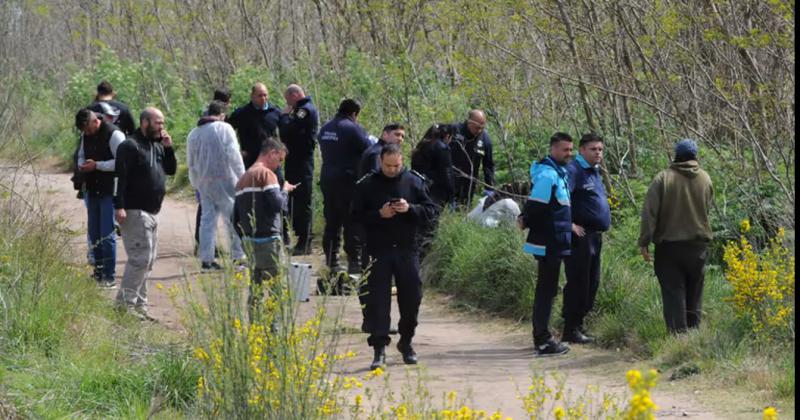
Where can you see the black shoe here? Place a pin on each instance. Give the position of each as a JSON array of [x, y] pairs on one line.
[[576, 336], [409, 355], [380, 358], [211, 266], [551, 348]]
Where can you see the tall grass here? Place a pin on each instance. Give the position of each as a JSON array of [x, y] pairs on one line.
[[64, 351]]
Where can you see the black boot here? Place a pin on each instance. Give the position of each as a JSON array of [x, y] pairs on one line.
[[409, 355], [576, 336], [380, 357]]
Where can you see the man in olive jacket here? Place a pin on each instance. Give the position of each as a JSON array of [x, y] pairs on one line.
[[675, 219]]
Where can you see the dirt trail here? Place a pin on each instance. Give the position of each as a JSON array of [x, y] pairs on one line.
[[489, 360]]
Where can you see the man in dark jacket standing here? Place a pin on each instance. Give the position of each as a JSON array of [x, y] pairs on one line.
[[471, 147], [254, 120], [547, 216], [675, 219], [96, 162], [392, 204], [591, 216], [142, 164], [299, 123], [123, 117], [342, 141]]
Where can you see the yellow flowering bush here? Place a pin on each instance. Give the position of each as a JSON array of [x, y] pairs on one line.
[[763, 284]]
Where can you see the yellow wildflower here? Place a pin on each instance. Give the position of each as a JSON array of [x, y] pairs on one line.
[[770, 413], [744, 226]]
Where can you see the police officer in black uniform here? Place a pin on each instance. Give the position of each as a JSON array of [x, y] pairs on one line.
[[342, 141], [253, 121], [471, 147], [392, 204], [298, 127]]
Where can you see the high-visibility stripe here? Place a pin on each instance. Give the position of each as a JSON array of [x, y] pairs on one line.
[[258, 189]]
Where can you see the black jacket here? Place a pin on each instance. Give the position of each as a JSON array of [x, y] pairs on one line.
[[299, 133], [433, 159], [375, 189], [466, 148], [249, 124], [342, 141], [142, 166], [371, 159]]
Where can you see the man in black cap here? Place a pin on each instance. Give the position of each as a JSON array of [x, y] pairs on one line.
[[675, 219]]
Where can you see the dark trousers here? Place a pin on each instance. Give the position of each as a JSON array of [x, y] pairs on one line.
[[546, 290], [464, 189], [403, 264], [336, 209], [300, 211], [100, 215], [427, 233], [680, 268], [582, 268]]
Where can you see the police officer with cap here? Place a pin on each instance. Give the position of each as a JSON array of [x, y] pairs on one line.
[[342, 141], [298, 125], [471, 148], [393, 204]]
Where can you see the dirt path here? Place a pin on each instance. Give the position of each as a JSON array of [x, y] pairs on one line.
[[488, 360]]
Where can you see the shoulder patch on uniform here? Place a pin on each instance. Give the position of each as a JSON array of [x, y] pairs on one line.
[[301, 113], [419, 175], [365, 177]]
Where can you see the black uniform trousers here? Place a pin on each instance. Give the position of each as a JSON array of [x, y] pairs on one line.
[[337, 196], [680, 268], [300, 211], [464, 190], [582, 268], [546, 291], [403, 264]]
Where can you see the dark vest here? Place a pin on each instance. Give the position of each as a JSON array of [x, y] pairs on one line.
[[97, 148]]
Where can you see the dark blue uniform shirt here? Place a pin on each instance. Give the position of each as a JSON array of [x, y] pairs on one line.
[[588, 196], [342, 141], [299, 133]]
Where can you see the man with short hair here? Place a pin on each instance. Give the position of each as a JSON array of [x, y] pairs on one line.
[[393, 204], [675, 219], [257, 218], [470, 147], [393, 133], [591, 216], [299, 124], [253, 121], [143, 163], [215, 165], [342, 141], [123, 117], [97, 152], [547, 216]]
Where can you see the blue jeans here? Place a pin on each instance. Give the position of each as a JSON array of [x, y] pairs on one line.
[[102, 238]]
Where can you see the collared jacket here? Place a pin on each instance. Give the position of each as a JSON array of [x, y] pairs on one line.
[[298, 131], [342, 141], [677, 205], [250, 123], [547, 212], [470, 151], [373, 191], [371, 159], [588, 197], [142, 166]]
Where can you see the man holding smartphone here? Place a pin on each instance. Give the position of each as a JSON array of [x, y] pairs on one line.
[[393, 205], [142, 164]]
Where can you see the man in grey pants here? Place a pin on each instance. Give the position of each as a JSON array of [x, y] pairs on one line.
[[143, 161]]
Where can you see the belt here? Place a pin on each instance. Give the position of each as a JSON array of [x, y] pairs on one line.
[[262, 240]]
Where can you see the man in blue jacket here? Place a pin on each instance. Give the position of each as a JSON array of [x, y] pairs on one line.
[[342, 141], [591, 216], [547, 216]]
